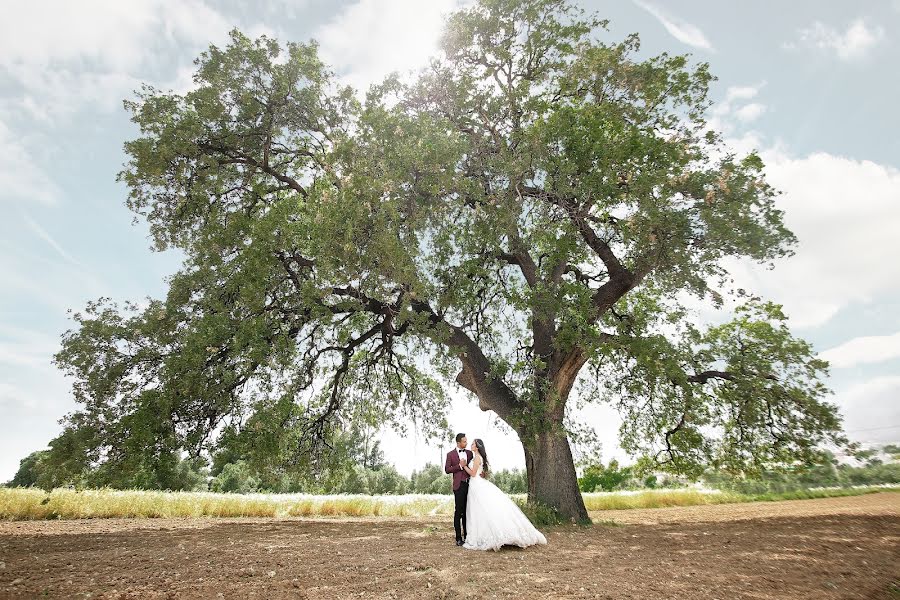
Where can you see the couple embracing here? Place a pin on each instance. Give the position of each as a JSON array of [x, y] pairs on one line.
[[484, 517]]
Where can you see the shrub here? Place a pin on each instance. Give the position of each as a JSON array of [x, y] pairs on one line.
[[541, 515], [512, 481], [236, 478], [596, 477]]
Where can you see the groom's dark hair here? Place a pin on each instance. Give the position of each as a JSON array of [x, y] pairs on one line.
[[459, 436]]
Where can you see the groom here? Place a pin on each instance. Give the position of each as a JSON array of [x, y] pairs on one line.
[[456, 460]]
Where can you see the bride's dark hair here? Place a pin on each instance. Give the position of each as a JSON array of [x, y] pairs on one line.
[[484, 461]]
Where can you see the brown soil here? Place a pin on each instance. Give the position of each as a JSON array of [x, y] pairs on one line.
[[833, 548]]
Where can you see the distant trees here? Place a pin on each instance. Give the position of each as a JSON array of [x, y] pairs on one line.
[[233, 474], [826, 472], [514, 481], [29, 471], [235, 477], [52, 468], [430, 480], [598, 478], [383, 479], [359, 467]]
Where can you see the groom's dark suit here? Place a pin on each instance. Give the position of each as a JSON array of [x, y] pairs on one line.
[[460, 489]]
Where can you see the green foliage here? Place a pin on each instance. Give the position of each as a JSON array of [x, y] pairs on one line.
[[270, 445], [430, 480], [825, 472], [354, 482], [514, 481], [598, 478], [29, 470], [189, 475], [590, 480], [761, 388], [166, 472], [869, 456], [53, 468], [235, 477], [386, 480], [537, 201]]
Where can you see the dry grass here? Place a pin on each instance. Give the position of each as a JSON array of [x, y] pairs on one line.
[[657, 499], [19, 504], [31, 504]]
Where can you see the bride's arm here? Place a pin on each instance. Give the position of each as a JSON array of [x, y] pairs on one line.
[[475, 465]]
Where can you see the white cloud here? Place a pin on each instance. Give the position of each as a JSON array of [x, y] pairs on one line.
[[745, 92], [846, 215], [844, 212], [681, 30], [25, 348], [115, 36], [49, 94], [21, 289], [871, 409], [31, 402], [749, 112], [71, 266], [862, 350], [372, 38], [32, 281], [44, 235], [724, 114], [33, 393], [90, 54], [21, 180], [856, 42]]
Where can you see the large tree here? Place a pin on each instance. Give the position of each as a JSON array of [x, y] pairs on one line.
[[532, 210]]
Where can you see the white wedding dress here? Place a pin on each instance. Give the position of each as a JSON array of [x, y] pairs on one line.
[[493, 519]]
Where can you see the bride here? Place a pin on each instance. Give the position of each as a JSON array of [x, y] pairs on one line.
[[492, 519]]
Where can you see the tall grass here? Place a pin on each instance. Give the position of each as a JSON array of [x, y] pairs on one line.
[[695, 497], [63, 503], [656, 499], [18, 504]]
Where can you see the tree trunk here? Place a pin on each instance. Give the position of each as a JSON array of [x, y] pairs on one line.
[[551, 474]]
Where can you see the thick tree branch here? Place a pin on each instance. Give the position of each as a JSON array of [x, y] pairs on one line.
[[235, 157], [566, 366], [475, 376], [525, 264], [668, 449], [705, 376], [580, 218], [317, 426], [492, 392]]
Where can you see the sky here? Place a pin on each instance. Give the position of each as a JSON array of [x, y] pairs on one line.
[[811, 85]]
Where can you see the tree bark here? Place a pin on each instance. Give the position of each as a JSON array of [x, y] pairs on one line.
[[552, 479]]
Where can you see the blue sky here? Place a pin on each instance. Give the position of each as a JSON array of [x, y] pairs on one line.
[[811, 84]]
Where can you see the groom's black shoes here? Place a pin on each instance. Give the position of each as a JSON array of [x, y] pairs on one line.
[[459, 542]]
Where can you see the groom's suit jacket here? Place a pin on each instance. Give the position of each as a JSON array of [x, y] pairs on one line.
[[453, 467]]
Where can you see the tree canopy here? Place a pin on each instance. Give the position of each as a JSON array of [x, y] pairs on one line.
[[530, 211]]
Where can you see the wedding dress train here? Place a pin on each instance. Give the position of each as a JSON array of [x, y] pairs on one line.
[[494, 520]]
